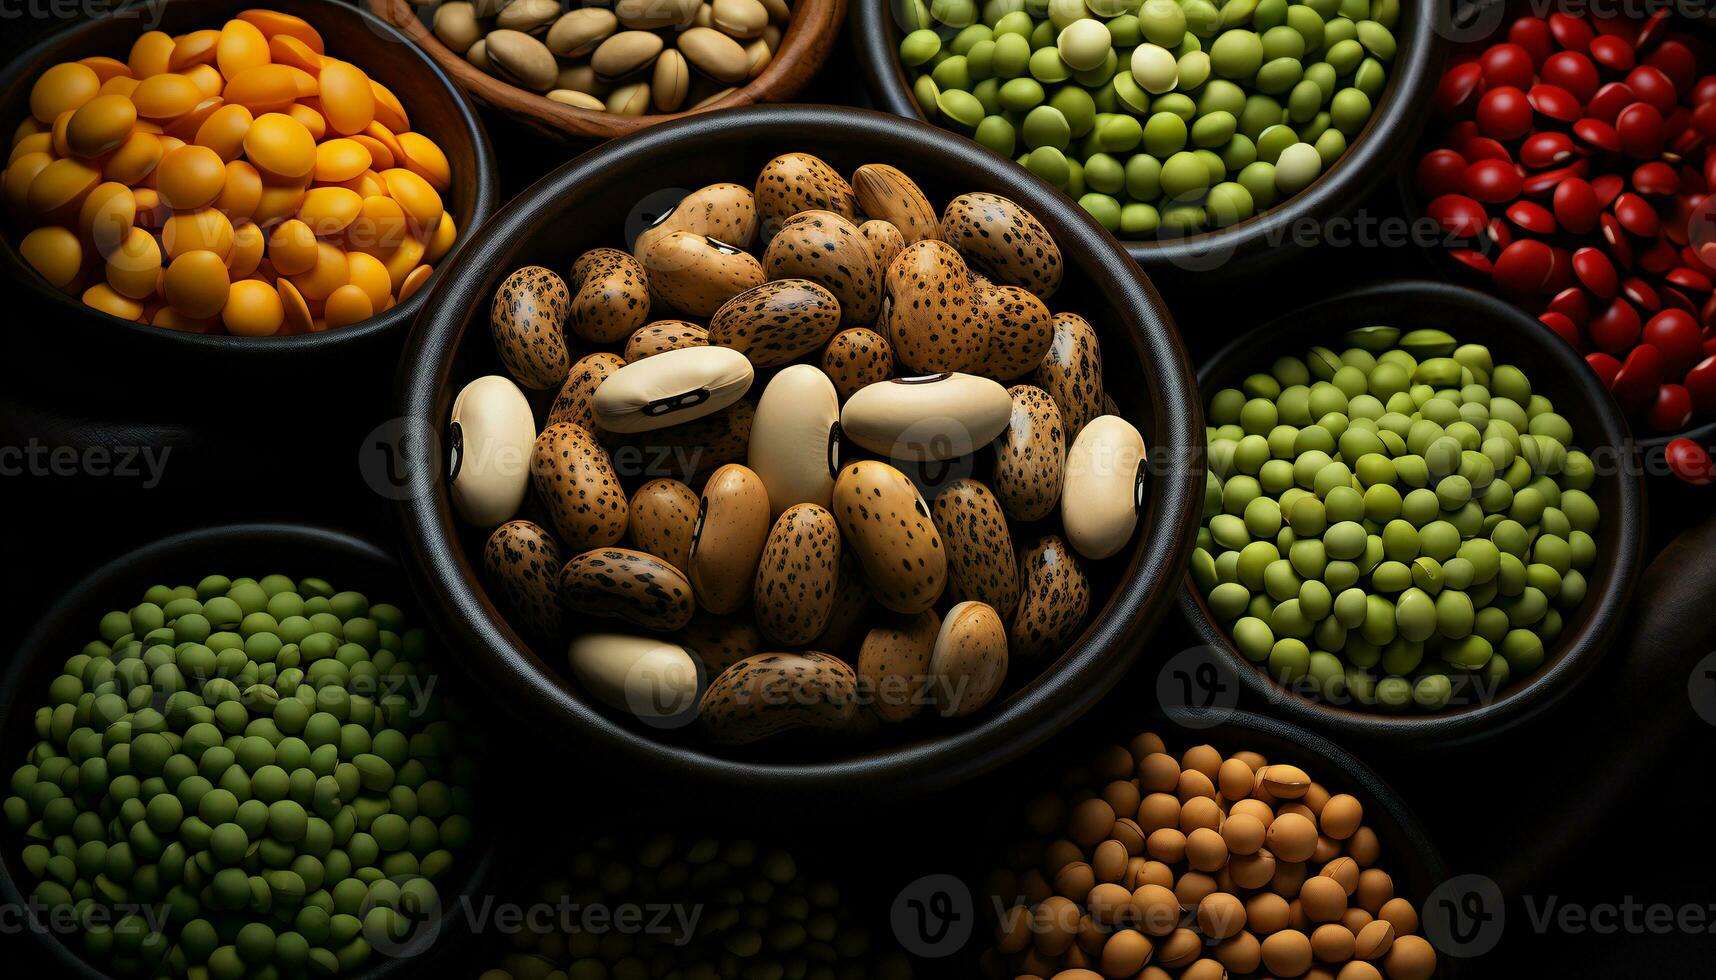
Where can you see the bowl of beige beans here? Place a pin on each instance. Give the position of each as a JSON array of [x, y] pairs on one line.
[[801, 447], [591, 72]]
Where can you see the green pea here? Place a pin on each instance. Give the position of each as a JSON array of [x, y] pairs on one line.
[[1184, 176], [1012, 55], [1046, 66], [1046, 126], [1139, 220], [1050, 164], [918, 47], [997, 134], [1350, 110], [959, 107], [1253, 638], [1289, 660]]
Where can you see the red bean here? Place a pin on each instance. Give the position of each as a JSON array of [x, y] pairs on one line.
[[1636, 215], [1458, 214], [1596, 272], [1704, 90], [1701, 385], [1689, 461], [1651, 29], [1572, 33], [1440, 172], [1635, 384], [1484, 148], [1605, 365], [1576, 206], [1566, 329], [1672, 410], [1640, 129], [1507, 64], [1612, 53], [1543, 183], [1573, 72], [1573, 304], [1653, 86], [1542, 150], [1677, 61], [1491, 181], [1640, 294], [1659, 257], [1608, 102], [1608, 187], [1474, 260], [1676, 334], [1524, 266], [1655, 177], [1615, 240], [1616, 328], [1531, 216], [1504, 113], [1459, 89], [1534, 36], [1555, 102], [1595, 133], [1689, 279]]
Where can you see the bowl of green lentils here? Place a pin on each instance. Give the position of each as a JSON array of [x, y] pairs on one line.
[[1210, 136], [219, 774], [1423, 519]]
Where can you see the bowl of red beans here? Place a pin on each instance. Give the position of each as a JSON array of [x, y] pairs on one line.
[[1569, 167]]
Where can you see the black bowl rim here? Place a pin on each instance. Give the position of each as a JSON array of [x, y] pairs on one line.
[[110, 575], [1092, 666], [1356, 174], [398, 319], [1559, 674]]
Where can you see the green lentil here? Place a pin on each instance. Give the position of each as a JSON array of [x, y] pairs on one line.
[[199, 775]]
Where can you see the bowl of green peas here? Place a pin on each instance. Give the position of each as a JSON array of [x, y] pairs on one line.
[[238, 776], [1211, 137], [1423, 519]]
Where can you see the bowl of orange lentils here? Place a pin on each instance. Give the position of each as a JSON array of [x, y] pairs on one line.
[[272, 178]]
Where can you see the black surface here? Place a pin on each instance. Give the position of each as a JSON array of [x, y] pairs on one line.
[[1605, 800]]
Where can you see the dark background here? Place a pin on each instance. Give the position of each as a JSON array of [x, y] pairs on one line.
[[1607, 798]]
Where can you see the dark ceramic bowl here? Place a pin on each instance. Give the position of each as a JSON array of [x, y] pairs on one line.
[[1482, 23], [294, 549], [1265, 240], [1555, 370], [1409, 854], [437, 107], [590, 202]]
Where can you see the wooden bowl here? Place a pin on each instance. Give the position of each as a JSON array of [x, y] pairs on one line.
[[437, 108], [805, 45], [586, 203], [1272, 237], [256, 549], [1589, 630]]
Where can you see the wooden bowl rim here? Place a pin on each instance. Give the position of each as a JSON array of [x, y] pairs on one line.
[[808, 38]]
